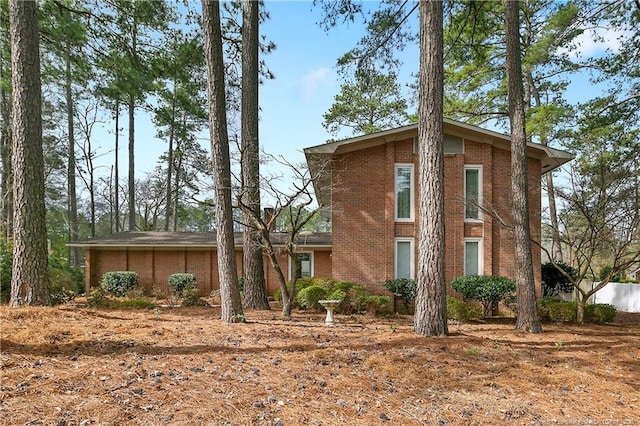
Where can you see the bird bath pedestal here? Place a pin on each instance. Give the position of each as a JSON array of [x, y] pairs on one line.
[[329, 305]]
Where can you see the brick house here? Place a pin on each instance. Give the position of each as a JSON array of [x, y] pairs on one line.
[[372, 198], [370, 194], [156, 255]]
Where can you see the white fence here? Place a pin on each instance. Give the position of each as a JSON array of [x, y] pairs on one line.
[[624, 296]]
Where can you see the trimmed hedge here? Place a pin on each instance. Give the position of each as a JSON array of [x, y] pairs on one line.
[[119, 283], [600, 313], [308, 297], [461, 311], [181, 281]]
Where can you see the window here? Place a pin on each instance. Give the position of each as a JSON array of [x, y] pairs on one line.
[[306, 265], [451, 144], [404, 192], [405, 258], [472, 256], [472, 192]]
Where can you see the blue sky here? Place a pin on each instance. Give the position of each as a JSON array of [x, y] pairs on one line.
[[304, 87]]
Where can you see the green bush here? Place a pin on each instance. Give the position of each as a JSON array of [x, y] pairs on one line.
[[600, 313], [557, 310], [460, 311], [119, 283], [135, 303], [6, 260], [98, 298], [554, 282], [277, 295], [353, 297], [487, 289], [308, 296], [180, 281], [378, 305], [605, 271], [65, 279], [403, 287]]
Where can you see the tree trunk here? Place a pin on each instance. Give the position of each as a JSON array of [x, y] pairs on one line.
[[6, 196], [254, 294], [116, 188], [231, 303], [172, 126], [132, 168], [525, 288], [74, 252], [430, 317], [30, 276]]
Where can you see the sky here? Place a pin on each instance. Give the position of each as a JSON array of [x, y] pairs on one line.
[[306, 82]]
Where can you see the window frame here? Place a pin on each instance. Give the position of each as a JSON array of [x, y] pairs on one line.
[[311, 266], [480, 255], [411, 167], [412, 260], [477, 167]]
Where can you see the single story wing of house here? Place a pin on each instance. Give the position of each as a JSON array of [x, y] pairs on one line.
[[368, 187]]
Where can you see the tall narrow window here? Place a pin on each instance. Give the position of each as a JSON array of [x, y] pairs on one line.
[[404, 192], [472, 192], [405, 258], [306, 265], [472, 256]]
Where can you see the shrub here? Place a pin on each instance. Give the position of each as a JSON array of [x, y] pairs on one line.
[[135, 303], [191, 298], [353, 297], [403, 287], [486, 289], [554, 282], [277, 295], [308, 297], [378, 305], [180, 281], [605, 271], [98, 298], [6, 261], [600, 313], [118, 283], [460, 311], [557, 310]]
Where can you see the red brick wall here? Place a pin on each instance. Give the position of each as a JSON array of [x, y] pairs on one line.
[[363, 219]]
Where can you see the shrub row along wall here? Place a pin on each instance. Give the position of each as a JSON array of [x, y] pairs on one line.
[[154, 266]]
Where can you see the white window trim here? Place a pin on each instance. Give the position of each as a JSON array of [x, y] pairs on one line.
[[412, 191], [412, 250], [310, 253], [480, 255], [477, 167]]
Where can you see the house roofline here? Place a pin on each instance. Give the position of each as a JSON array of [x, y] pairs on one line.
[[551, 158], [185, 240]]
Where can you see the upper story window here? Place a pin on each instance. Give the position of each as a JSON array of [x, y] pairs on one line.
[[404, 201], [472, 192]]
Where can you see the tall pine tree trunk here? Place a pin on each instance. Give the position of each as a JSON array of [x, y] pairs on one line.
[[172, 126], [6, 178], [74, 252], [430, 317], [525, 287], [30, 276], [132, 168], [228, 275], [255, 295], [116, 171]]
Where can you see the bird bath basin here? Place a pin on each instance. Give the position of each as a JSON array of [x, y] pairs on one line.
[[329, 305]]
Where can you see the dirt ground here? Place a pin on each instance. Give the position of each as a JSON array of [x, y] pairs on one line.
[[72, 365]]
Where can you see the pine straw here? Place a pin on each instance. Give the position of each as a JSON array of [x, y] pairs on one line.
[[76, 366]]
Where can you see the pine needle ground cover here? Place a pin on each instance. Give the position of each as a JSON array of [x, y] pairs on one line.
[[72, 365]]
